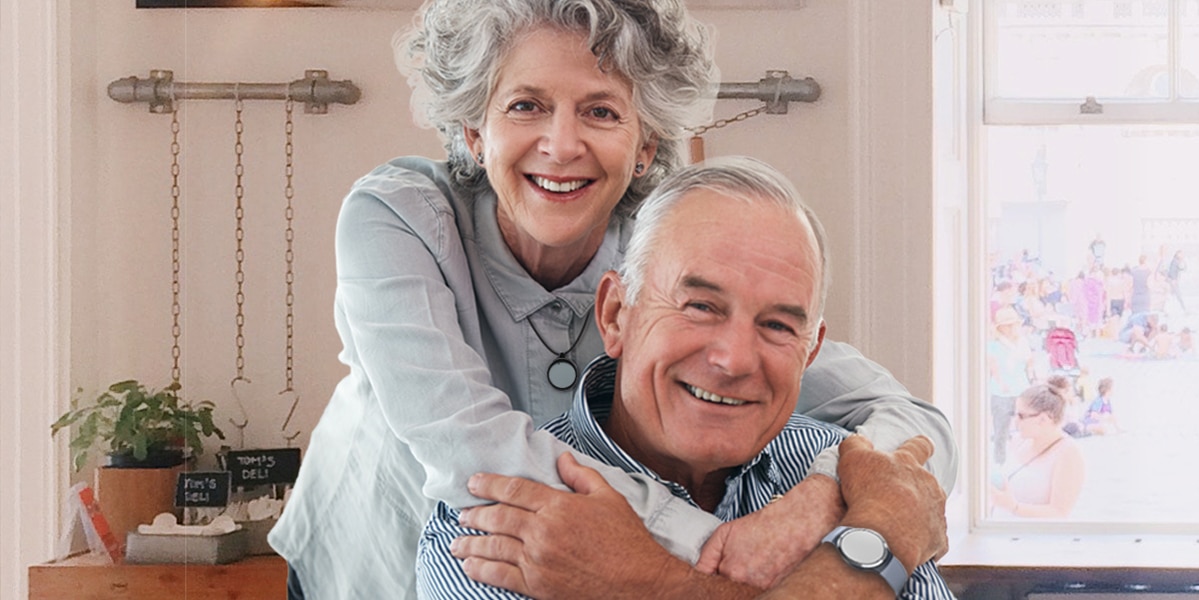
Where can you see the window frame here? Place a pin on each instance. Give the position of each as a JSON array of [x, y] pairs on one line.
[[999, 110], [983, 110]]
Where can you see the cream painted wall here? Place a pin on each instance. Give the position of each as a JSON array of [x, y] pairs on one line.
[[121, 253], [84, 201], [861, 155]]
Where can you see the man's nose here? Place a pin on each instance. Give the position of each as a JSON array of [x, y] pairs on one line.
[[734, 349]]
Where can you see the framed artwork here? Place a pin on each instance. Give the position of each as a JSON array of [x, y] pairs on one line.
[[269, 3], [413, 4]]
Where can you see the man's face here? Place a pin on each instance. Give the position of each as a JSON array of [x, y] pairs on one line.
[[712, 353]]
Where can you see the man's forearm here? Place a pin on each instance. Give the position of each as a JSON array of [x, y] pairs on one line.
[[825, 576], [687, 583]]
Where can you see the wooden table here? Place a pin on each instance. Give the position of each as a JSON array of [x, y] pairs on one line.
[[85, 578]]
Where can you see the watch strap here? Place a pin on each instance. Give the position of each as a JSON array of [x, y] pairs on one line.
[[895, 574], [891, 570]]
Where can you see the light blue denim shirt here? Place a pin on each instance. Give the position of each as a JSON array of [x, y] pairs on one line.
[[437, 321]]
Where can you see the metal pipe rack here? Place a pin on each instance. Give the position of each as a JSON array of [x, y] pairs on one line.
[[777, 89], [161, 90]]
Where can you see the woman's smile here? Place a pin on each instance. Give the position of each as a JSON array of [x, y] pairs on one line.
[[561, 141]]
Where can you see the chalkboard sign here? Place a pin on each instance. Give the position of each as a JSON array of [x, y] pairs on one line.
[[261, 467], [202, 488]]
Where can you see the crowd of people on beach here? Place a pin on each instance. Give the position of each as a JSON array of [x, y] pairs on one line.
[[1041, 394]]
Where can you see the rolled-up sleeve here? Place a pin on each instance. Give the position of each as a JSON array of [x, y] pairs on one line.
[[844, 387]]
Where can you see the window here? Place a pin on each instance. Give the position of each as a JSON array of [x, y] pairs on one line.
[[1084, 192]]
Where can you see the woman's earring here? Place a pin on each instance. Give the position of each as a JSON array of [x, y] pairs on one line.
[[479, 158], [640, 168]]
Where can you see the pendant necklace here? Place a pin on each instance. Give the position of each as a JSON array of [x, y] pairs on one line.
[[562, 372]]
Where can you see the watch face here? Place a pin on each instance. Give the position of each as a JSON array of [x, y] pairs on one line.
[[863, 547]]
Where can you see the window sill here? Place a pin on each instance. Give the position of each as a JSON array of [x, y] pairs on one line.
[[1011, 565], [1074, 551], [1046, 550]]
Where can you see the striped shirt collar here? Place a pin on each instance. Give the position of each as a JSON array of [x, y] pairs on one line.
[[593, 404]]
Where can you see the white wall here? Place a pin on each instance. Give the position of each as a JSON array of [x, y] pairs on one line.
[[30, 360], [861, 156], [121, 241]]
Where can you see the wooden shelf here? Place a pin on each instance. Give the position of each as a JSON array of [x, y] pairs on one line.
[[84, 578]]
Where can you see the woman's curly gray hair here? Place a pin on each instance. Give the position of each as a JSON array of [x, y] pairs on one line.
[[453, 54]]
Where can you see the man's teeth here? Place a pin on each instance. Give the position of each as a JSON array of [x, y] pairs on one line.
[[559, 186], [710, 397]]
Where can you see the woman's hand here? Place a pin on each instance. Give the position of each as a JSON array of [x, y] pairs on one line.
[[1001, 498], [547, 543], [763, 547]]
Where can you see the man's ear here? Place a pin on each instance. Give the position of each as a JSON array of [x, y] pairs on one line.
[[609, 304], [819, 343]]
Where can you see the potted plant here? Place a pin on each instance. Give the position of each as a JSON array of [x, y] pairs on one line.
[[137, 426], [146, 434]]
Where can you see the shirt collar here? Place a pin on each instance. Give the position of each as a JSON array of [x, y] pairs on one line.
[[593, 404], [522, 295]]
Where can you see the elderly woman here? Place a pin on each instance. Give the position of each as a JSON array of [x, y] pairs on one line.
[[1043, 475], [466, 286]]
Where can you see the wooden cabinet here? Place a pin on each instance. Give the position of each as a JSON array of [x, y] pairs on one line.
[[85, 578]]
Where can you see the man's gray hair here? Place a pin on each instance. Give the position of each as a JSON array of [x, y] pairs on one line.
[[454, 52], [741, 178]]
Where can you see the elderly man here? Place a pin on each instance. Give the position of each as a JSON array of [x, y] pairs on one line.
[[706, 344]]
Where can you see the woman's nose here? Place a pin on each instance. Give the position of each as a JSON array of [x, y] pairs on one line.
[[562, 141]]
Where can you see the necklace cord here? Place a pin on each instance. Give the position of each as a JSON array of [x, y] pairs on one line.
[[578, 338]]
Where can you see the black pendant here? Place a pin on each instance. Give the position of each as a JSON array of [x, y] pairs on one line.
[[562, 373]]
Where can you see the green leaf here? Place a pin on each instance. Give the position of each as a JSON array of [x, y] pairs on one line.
[[129, 417]]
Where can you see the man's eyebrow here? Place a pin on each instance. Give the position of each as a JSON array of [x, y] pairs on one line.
[[794, 310], [698, 282], [695, 281]]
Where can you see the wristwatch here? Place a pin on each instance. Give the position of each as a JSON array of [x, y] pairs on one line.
[[866, 549]]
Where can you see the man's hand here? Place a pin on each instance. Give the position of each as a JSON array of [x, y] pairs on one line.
[[763, 547], [894, 495], [547, 544]]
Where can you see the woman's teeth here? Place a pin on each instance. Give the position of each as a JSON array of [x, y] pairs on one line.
[[715, 398], [558, 186]]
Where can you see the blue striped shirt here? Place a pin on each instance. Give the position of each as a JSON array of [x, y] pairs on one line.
[[778, 468]]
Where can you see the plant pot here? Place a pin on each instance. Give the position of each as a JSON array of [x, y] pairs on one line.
[[129, 497], [155, 459]]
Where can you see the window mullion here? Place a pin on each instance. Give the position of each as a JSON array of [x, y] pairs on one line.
[[1174, 43]]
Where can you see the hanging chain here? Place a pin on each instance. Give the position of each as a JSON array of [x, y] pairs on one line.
[[240, 275], [720, 123], [289, 255], [176, 330], [240, 234], [289, 276]]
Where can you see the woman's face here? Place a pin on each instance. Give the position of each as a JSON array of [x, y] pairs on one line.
[[1030, 421], [560, 142]]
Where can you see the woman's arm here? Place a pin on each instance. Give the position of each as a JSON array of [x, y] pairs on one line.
[[843, 387], [1069, 472], [403, 292]]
